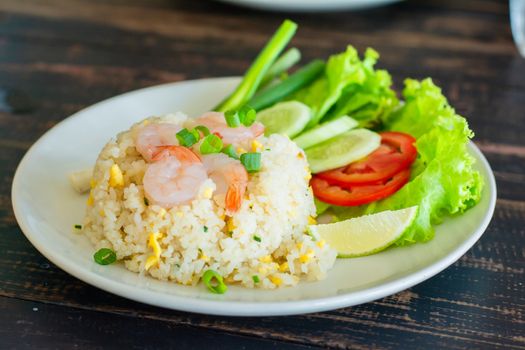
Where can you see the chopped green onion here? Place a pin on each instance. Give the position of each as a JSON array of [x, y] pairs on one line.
[[105, 256], [204, 130], [211, 144], [78, 227], [251, 161], [186, 138], [256, 279], [257, 238], [205, 228], [230, 151], [214, 282], [232, 119], [196, 134], [146, 201], [247, 115]]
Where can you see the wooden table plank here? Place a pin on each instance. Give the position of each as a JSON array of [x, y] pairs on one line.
[[51, 327]]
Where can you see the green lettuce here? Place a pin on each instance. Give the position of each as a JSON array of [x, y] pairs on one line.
[[349, 86], [370, 101], [443, 181]]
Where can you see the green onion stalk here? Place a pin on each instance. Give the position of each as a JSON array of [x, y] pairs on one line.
[[293, 83], [253, 77], [281, 65]]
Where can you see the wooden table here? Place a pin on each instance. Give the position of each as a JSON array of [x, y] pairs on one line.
[[59, 56]]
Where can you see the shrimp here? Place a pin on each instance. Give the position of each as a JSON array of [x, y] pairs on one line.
[[238, 136], [229, 176], [151, 136], [174, 177]]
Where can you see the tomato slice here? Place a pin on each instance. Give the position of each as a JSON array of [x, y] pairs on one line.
[[396, 152], [352, 195]]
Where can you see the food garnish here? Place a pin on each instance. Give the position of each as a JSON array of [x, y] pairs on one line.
[[187, 138], [211, 144], [251, 161], [214, 282], [105, 256]]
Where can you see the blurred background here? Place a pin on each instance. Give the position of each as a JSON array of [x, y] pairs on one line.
[[65, 55]]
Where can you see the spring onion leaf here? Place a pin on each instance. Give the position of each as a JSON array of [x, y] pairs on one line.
[[204, 130], [287, 60], [232, 119], [196, 134], [259, 67], [247, 115], [214, 282], [205, 228], [186, 138], [105, 256], [257, 238], [146, 201], [211, 144], [302, 78], [78, 227], [256, 279], [230, 151], [251, 161]]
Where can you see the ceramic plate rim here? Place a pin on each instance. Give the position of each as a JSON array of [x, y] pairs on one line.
[[241, 308]]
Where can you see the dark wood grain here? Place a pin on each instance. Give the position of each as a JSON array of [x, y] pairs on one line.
[[68, 54], [51, 327]]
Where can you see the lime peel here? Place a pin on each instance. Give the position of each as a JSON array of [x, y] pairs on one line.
[[365, 235]]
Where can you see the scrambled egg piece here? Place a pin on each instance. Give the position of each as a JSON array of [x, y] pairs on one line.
[[276, 280], [306, 257], [153, 244], [256, 146], [115, 176], [266, 259]]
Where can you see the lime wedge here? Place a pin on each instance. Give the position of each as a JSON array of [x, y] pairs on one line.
[[286, 118], [366, 234]]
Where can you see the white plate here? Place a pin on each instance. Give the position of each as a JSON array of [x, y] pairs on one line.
[[46, 208], [310, 5]]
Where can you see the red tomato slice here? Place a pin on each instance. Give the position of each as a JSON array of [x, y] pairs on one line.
[[397, 152], [351, 195]]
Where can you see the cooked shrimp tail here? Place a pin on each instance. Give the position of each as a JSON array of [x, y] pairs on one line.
[[230, 177], [233, 199]]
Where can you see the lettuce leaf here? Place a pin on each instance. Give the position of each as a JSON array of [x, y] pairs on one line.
[[370, 101], [443, 181], [349, 86]]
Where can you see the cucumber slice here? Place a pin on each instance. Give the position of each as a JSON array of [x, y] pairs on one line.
[[325, 131], [342, 149], [287, 118]]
